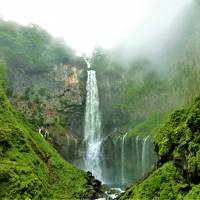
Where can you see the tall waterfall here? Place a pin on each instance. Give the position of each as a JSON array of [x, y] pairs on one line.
[[92, 128], [123, 159]]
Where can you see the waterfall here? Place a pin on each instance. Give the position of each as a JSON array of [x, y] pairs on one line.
[[117, 178], [144, 147], [138, 159], [123, 159], [92, 128], [137, 148]]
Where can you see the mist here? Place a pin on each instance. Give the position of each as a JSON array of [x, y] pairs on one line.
[[85, 24], [156, 34]]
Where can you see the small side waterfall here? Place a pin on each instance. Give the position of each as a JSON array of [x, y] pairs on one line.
[[123, 159], [137, 154], [137, 148], [144, 148], [92, 129]]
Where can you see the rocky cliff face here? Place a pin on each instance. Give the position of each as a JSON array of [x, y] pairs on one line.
[[53, 98]]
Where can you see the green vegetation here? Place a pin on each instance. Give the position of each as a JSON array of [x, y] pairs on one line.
[[165, 183], [31, 47], [179, 138]]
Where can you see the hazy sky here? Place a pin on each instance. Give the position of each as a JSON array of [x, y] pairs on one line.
[[86, 23]]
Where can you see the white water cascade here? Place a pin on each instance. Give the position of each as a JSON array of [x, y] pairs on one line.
[[92, 128], [144, 147], [123, 159]]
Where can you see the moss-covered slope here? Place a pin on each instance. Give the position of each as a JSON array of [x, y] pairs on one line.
[[29, 167], [178, 146]]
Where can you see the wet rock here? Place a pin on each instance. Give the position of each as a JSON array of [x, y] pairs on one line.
[[95, 187]]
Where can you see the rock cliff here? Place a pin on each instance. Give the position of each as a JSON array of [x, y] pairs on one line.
[[53, 98]]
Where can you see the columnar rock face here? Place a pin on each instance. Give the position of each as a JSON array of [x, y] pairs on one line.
[[113, 117], [54, 98]]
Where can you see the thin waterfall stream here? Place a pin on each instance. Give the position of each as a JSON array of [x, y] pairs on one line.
[[144, 148], [123, 158]]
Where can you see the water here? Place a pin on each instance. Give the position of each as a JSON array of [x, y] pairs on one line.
[[114, 193], [137, 148], [123, 159], [92, 129], [144, 149], [138, 167], [88, 64]]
